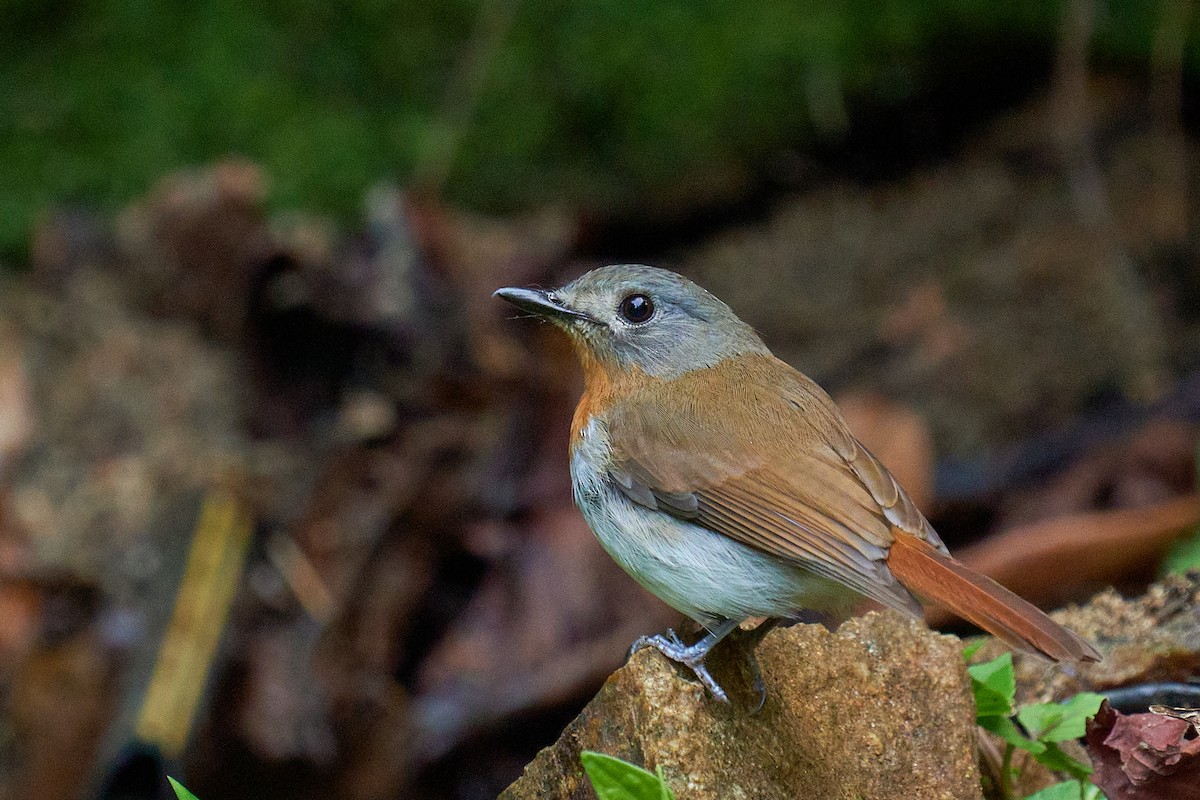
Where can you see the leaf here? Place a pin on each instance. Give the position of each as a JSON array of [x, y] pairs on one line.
[[614, 779], [994, 686], [1143, 755], [181, 792], [1007, 730], [1184, 554], [971, 649], [1056, 759], [1067, 790], [1060, 722]]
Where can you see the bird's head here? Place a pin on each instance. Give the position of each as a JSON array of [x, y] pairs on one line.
[[630, 316]]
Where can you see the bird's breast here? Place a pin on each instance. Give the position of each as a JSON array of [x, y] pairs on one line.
[[591, 458], [699, 572]]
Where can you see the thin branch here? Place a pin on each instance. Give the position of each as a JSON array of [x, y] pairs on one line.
[[466, 85]]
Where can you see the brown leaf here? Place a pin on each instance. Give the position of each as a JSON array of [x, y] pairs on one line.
[[549, 621], [1143, 756], [195, 242], [1097, 546], [17, 419], [1148, 465]]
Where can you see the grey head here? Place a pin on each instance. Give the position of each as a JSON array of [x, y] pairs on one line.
[[632, 315]]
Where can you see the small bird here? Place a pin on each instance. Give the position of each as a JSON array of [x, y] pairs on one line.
[[727, 483]]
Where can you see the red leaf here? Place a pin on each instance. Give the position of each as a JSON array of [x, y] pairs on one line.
[[1143, 756]]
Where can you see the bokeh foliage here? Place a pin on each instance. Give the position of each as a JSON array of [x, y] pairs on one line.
[[611, 104]]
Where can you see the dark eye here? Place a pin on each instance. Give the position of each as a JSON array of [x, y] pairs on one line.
[[636, 308]]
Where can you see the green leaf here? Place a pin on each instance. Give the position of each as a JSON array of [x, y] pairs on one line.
[[1184, 554], [614, 779], [1067, 790], [971, 649], [994, 686], [1054, 758], [1007, 730], [180, 791], [662, 782], [1059, 722]]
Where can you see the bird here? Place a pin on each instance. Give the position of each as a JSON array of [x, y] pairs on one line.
[[727, 483]]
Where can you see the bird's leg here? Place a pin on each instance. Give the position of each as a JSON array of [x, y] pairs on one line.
[[752, 638], [691, 656]]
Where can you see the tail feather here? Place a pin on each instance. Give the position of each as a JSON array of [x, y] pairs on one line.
[[930, 573]]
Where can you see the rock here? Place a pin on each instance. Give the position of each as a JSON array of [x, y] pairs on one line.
[[881, 709], [1144, 640], [1154, 637]]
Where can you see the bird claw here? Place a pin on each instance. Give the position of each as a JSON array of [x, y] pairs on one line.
[[669, 644], [758, 685], [691, 656], [752, 640]]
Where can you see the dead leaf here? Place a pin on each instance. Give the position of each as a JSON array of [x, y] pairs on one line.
[[1098, 547], [1143, 756], [16, 407], [1188, 715]]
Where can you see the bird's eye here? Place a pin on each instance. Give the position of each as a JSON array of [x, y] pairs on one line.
[[636, 308]]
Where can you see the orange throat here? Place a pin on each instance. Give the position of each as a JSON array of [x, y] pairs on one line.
[[603, 386]]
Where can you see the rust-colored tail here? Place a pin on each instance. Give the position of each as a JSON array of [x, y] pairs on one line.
[[929, 573]]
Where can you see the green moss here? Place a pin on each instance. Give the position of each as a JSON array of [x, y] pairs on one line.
[[616, 104]]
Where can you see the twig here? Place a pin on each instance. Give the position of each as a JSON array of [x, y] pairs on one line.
[[1119, 289], [1166, 98], [1006, 790], [462, 95]]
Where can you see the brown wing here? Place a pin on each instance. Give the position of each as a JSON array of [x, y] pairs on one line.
[[776, 470]]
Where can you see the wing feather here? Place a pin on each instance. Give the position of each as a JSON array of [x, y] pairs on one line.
[[780, 473]]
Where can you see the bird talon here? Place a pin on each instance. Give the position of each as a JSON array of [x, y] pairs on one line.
[[659, 642], [709, 682], [759, 686], [690, 656]]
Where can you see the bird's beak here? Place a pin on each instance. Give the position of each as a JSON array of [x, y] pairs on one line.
[[541, 303]]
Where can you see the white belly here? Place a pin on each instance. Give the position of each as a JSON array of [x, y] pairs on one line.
[[699, 572]]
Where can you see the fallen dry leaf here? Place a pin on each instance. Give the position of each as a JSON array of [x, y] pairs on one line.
[[1143, 756], [1055, 561], [1150, 464], [16, 406]]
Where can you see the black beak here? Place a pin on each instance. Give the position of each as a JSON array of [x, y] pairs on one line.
[[536, 301]]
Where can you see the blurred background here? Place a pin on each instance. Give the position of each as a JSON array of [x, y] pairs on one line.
[[283, 492]]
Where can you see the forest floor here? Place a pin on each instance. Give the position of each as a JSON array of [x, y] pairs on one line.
[[422, 608]]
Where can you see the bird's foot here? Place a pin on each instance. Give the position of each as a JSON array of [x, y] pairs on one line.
[[757, 684], [750, 640], [691, 656]]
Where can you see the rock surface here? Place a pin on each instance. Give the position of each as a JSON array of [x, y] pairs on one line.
[[1151, 638], [881, 709]]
